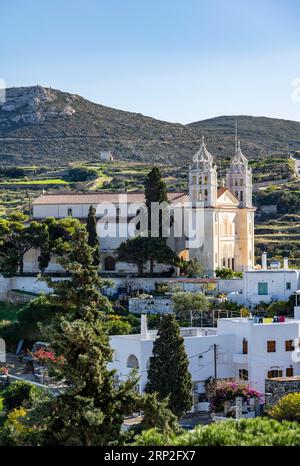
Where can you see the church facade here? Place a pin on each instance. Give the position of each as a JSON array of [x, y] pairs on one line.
[[226, 213]]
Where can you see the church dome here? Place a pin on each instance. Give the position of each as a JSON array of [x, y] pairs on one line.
[[203, 155]]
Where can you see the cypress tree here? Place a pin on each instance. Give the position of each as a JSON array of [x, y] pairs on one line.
[[155, 191], [168, 373], [92, 409], [93, 241]]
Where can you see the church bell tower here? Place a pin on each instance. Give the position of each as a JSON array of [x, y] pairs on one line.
[[203, 178], [239, 178]]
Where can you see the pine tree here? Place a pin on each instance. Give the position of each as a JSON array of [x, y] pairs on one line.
[[168, 373], [93, 241], [92, 409]]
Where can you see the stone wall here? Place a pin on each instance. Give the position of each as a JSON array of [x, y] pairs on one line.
[[151, 305], [277, 388]]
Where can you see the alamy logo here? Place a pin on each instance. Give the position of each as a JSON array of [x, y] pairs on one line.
[[128, 220]]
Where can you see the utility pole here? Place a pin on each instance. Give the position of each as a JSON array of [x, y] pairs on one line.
[[215, 360]]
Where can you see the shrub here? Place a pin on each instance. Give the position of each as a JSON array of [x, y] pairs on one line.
[[228, 392], [287, 408], [245, 432], [19, 394], [80, 174], [228, 273]]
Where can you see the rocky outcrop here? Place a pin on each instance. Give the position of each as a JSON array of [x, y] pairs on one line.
[[31, 105]]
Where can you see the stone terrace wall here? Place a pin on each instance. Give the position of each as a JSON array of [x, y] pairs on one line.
[[281, 386]]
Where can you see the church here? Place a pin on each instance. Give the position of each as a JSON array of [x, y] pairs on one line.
[[227, 217]]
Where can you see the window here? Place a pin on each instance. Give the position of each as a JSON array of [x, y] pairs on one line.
[[194, 180], [289, 372], [262, 288], [289, 345], [132, 362], [288, 285], [271, 346], [245, 346], [70, 212], [242, 196], [274, 373], [243, 374]]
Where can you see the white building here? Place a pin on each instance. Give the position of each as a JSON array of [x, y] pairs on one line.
[[106, 156], [238, 348], [263, 285]]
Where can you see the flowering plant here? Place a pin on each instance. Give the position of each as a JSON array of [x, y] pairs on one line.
[[229, 391], [3, 370], [47, 356]]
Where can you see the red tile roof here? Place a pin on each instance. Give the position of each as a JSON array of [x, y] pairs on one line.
[[103, 197]]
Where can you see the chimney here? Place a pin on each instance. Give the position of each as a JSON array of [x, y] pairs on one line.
[[144, 329], [286, 263], [264, 261]]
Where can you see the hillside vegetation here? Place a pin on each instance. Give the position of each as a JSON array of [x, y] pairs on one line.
[[45, 126]]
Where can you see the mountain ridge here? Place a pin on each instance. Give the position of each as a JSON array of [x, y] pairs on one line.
[[44, 125]]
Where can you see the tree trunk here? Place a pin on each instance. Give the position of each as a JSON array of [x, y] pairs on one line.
[[151, 267], [21, 265]]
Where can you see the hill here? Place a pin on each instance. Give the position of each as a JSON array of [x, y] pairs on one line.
[[44, 126]]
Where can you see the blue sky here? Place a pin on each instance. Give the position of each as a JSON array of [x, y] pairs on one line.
[[176, 60]]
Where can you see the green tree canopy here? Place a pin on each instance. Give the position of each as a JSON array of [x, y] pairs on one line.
[[17, 237], [140, 250], [168, 372], [92, 409], [188, 304]]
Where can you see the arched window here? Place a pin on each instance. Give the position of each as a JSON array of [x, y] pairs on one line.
[[132, 362], [109, 263], [70, 212], [194, 179]]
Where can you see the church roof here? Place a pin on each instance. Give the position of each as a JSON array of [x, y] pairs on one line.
[[104, 197], [203, 155], [223, 190]]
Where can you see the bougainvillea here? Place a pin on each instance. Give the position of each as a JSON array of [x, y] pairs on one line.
[[229, 391], [45, 356]]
